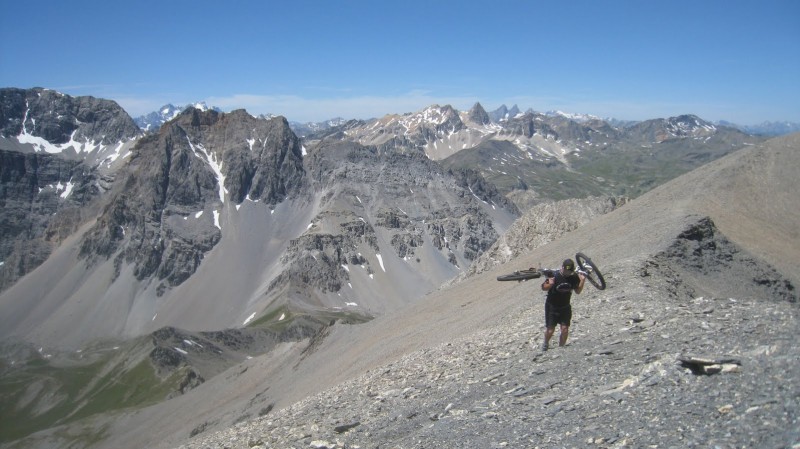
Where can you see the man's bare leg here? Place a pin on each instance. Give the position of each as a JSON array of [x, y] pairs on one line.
[[562, 338], [548, 334]]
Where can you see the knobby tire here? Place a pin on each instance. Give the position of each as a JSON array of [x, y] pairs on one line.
[[593, 274]]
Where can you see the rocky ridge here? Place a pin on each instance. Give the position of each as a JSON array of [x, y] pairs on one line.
[[52, 121]]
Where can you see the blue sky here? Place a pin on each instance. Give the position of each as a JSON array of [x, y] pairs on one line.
[[314, 60]]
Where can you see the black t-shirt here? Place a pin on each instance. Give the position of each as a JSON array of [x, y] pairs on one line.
[[561, 291]]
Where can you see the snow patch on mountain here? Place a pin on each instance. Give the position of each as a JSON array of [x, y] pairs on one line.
[[216, 166]]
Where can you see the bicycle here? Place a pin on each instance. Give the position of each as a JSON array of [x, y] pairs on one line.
[[585, 267]]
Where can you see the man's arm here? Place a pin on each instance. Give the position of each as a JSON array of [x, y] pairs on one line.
[[547, 284], [582, 281]]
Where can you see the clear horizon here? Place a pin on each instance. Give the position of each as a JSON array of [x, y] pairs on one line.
[[316, 60]]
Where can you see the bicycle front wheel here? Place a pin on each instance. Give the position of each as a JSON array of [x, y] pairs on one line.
[[593, 274]]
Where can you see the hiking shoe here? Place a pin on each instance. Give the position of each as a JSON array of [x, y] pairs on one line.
[[544, 346]]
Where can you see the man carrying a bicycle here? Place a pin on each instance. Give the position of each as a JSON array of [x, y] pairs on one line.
[[557, 308]]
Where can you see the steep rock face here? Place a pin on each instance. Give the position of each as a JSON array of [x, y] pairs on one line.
[[380, 208], [50, 147], [269, 168], [485, 191], [447, 212], [165, 211], [42, 197]]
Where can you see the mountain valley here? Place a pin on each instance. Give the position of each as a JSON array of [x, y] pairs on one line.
[[225, 273]]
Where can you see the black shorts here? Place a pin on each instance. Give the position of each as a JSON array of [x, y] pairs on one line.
[[557, 315]]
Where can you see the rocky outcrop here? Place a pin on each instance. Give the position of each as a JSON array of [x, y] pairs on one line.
[[472, 180], [318, 260], [695, 262], [164, 213]]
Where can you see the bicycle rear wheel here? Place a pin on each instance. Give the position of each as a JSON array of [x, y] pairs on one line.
[[593, 274], [522, 275]]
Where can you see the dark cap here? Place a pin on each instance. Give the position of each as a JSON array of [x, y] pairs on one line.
[[568, 265]]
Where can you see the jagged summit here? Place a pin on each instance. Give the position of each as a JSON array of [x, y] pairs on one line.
[[503, 113], [45, 121], [478, 115]]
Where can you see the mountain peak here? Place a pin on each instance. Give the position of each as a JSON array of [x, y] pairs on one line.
[[503, 113], [478, 115]]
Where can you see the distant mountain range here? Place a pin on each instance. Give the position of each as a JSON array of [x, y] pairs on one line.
[[154, 120], [767, 128]]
